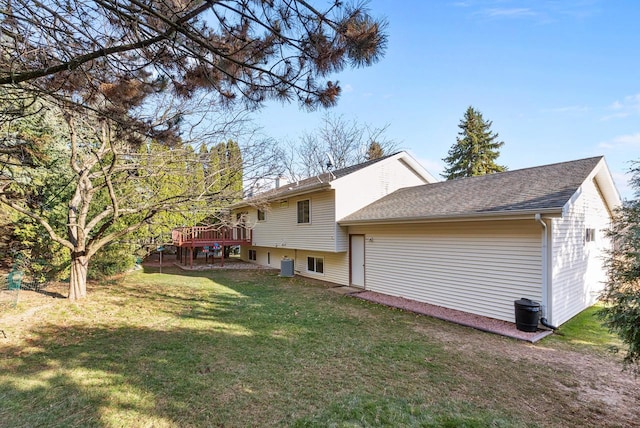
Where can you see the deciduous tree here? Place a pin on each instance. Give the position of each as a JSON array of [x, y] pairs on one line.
[[338, 143], [125, 73], [113, 187]]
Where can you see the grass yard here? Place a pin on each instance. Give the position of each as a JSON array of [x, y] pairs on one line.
[[247, 348]]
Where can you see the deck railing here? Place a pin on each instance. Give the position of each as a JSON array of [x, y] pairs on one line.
[[225, 235]]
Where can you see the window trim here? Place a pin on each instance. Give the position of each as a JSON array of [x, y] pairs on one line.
[[308, 211], [262, 215], [314, 268]]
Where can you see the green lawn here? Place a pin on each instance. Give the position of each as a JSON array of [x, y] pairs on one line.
[[586, 330], [252, 349]]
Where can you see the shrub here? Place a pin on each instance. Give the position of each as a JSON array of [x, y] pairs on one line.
[[111, 260]]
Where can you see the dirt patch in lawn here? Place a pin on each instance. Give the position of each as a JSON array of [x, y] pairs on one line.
[[578, 377], [587, 377]]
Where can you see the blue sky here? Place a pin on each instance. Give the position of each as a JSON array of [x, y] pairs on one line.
[[560, 80]]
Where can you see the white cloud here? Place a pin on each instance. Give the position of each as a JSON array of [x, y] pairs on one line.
[[516, 12], [616, 105], [620, 115], [628, 106], [623, 142], [347, 88], [536, 11]]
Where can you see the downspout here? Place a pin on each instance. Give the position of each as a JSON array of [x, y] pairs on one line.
[[545, 272]]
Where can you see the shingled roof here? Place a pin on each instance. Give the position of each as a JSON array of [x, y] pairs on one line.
[[543, 189], [309, 184]]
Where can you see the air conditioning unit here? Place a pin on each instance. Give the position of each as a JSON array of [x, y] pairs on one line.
[[286, 268]]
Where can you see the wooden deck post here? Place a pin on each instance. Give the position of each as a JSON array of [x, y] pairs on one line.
[[193, 237]]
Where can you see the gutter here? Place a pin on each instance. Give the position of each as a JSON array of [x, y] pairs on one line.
[[546, 284], [494, 215]]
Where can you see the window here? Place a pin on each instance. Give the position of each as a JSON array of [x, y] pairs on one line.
[[303, 211], [261, 215], [268, 258], [252, 255], [589, 235], [315, 264]]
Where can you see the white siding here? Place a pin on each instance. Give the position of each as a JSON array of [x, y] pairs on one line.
[[263, 254], [578, 273], [365, 186], [281, 228], [336, 265], [477, 267]]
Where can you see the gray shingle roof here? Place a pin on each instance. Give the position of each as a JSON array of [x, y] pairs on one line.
[[544, 188], [310, 184]]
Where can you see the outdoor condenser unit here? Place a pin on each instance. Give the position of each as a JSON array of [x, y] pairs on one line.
[[286, 268]]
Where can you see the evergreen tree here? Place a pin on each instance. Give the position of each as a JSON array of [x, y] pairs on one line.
[[37, 174], [233, 171], [621, 314], [216, 158], [476, 148], [374, 151]]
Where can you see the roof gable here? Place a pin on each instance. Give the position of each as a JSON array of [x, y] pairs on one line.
[[323, 181], [542, 189]]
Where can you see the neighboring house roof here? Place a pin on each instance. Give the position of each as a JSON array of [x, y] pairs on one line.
[[322, 181], [544, 189]]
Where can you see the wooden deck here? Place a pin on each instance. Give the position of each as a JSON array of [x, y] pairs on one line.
[[202, 236], [209, 238]]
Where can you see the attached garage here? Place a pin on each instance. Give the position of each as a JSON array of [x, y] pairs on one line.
[[479, 267], [478, 244]]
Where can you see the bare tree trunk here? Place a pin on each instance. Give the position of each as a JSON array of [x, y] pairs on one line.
[[78, 280]]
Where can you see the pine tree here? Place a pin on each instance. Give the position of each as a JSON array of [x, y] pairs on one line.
[[374, 151], [476, 148], [621, 294]]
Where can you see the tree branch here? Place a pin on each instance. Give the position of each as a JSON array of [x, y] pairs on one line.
[[54, 236], [11, 77]]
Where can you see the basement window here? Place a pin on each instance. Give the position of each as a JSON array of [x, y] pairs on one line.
[[589, 235], [315, 264], [252, 255]]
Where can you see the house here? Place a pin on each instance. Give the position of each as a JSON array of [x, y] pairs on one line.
[[473, 244], [477, 244], [299, 221]]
